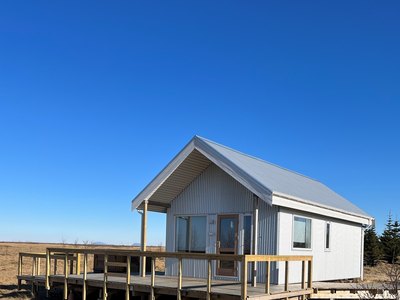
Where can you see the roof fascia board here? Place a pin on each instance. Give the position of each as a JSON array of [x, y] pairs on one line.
[[235, 172], [150, 189], [289, 202]]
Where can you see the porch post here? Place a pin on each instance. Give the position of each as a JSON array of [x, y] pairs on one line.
[[255, 239], [143, 241]]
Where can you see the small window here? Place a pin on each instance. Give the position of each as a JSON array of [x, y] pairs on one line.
[[327, 236], [301, 233], [246, 234], [191, 234]]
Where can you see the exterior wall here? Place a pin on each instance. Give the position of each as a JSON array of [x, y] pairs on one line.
[[211, 193], [342, 261]]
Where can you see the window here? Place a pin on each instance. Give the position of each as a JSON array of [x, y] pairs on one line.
[[191, 234], [327, 236], [246, 234], [301, 233]]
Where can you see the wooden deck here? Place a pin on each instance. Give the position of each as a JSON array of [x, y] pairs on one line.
[[153, 284], [166, 285]]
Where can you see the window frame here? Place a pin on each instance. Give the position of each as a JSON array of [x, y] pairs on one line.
[[189, 234], [330, 235], [311, 234]]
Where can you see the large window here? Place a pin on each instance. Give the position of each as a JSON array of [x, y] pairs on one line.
[[191, 234], [327, 236], [301, 233]]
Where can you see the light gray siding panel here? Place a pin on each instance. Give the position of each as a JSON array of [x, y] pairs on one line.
[[215, 192], [344, 258]]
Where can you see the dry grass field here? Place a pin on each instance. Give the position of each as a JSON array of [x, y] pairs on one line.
[[9, 262]]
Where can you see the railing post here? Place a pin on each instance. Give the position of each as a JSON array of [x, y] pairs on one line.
[[33, 266], [179, 297], [209, 272], [286, 276], [66, 276], [128, 277], [47, 270], [310, 266], [33, 274], [19, 270], [153, 275], [303, 274], [244, 278], [267, 276], [84, 284], [105, 277], [78, 264], [38, 266]]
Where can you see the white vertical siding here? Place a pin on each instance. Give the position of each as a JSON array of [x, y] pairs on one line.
[[343, 260], [211, 193]]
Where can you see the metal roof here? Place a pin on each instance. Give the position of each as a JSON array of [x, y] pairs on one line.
[[261, 177]]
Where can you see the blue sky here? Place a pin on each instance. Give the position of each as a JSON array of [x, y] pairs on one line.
[[97, 96]]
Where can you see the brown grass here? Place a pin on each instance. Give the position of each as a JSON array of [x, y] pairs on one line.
[[9, 263]]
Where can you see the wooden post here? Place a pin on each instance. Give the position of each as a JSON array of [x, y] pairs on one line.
[[303, 274], [78, 264], [84, 284], [105, 277], [33, 266], [310, 266], [128, 277], [66, 276], [33, 274], [244, 278], [143, 243], [179, 297], [286, 276], [38, 266], [267, 277], [19, 270], [47, 270], [209, 271], [153, 275], [255, 239]]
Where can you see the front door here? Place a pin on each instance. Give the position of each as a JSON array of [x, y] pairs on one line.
[[227, 236]]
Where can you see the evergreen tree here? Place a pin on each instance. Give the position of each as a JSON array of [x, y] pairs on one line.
[[390, 240], [372, 247]]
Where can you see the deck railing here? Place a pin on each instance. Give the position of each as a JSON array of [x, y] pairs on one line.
[[69, 255]]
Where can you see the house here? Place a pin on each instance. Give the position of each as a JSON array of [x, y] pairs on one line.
[[219, 200]]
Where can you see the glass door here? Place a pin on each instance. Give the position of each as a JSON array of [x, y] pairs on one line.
[[227, 236]]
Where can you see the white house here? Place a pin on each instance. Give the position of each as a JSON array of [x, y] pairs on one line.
[[219, 200]]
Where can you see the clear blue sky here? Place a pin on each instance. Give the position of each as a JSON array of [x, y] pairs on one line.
[[97, 96]]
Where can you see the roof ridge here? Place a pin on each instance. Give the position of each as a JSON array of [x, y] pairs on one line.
[[257, 158]]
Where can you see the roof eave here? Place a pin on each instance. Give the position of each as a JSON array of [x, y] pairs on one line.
[[337, 213]]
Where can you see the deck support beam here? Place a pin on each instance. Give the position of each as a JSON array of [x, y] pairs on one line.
[[255, 239], [143, 242]]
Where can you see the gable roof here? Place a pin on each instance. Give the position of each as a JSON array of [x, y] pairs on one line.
[[264, 179]]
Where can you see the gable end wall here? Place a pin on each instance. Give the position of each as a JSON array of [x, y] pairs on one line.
[[215, 192]]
